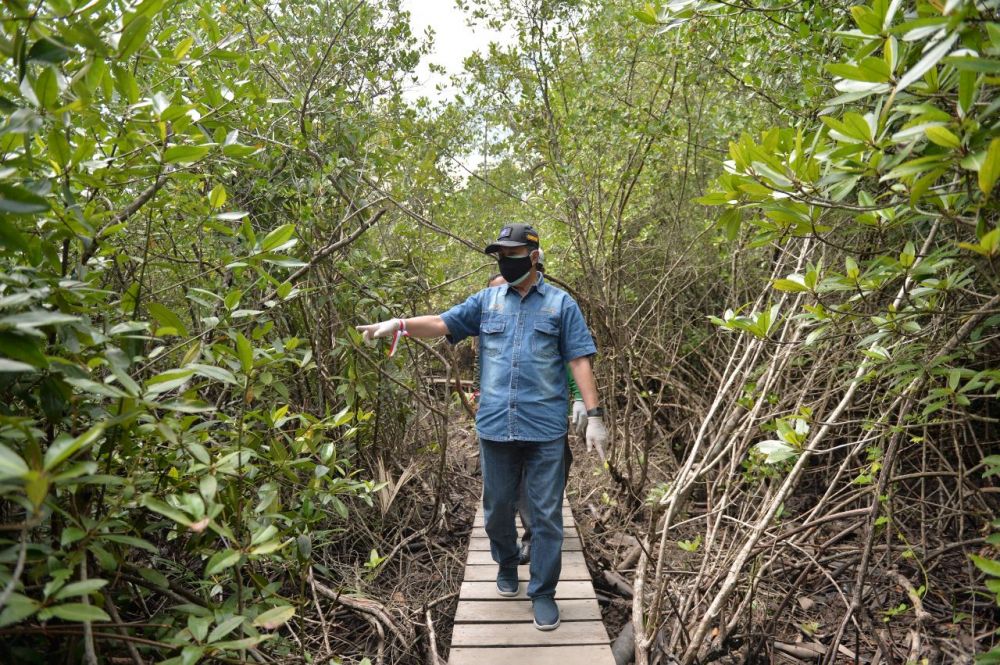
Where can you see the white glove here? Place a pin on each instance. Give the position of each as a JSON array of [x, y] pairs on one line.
[[383, 329], [579, 417], [597, 436]]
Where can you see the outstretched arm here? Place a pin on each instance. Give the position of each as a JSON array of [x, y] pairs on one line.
[[430, 325]]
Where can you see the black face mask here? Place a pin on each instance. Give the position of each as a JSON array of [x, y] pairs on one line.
[[514, 270]]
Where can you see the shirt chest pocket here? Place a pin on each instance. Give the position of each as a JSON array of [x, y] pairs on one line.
[[545, 337], [491, 335]]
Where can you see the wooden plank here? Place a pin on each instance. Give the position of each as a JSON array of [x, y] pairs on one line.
[[566, 513], [570, 544], [565, 500], [566, 510], [506, 610], [547, 655], [568, 532], [525, 634], [484, 558], [481, 521], [488, 590], [489, 573]]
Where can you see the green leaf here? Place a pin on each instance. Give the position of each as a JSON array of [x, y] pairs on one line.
[[858, 125], [35, 318], [18, 609], [931, 58], [133, 36], [198, 626], [36, 487], [866, 19], [221, 561], [63, 448], [166, 381], [47, 88], [232, 299], [11, 464], [245, 351], [942, 136], [130, 540], [875, 68], [991, 657], [647, 14], [170, 512], [264, 534], [717, 198], [990, 169], [166, 317], [185, 153], [854, 73], [217, 197], [224, 628], [49, 51], [183, 47], [231, 216], [237, 151], [988, 566], [776, 451], [212, 372], [973, 64], [79, 612], [199, 452], [19, 201], [275, 617], [245, 643], [8, 365], [84, 588], [12, 238], [908, 255], [966, 92], [988, 245], [794, 284], [277, 237], [271, 546]]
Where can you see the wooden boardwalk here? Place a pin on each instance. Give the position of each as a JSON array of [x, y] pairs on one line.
[[493, 630]]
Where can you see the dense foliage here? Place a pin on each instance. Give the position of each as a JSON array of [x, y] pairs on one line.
[[181, 415]]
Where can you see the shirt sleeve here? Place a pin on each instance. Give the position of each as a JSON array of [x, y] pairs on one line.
[[463, 319], [576, 340]]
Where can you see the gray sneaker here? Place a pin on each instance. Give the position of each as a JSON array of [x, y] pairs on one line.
[[507, 581], [546, 612]]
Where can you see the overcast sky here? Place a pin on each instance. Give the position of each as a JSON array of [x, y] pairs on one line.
[[454, 40]]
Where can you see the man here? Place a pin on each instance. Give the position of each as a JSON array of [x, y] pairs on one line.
[[529, 331], [579, 419]]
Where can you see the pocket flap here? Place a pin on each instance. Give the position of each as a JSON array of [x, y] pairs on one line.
[[493, 324], [548, 325]]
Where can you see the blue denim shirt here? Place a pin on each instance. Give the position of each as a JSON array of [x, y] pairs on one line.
[[524, 345]]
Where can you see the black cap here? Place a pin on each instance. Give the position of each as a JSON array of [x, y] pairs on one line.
[[515, 235]]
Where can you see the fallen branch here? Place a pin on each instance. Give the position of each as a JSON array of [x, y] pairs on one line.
[[366, 606], [432, 639]]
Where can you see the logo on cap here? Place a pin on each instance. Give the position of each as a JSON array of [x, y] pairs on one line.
[[505, 232]]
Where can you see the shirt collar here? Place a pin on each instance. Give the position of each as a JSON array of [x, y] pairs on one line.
[[539, 285]]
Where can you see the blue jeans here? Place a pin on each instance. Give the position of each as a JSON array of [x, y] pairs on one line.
[[543, 465], [522, 501]]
